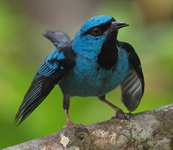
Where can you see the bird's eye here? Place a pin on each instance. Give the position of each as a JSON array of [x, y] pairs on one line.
[[96, 32]]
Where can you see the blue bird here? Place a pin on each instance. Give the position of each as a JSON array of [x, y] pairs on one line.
[[93, 64]]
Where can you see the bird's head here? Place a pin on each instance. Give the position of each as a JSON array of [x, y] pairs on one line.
[[94, 33]]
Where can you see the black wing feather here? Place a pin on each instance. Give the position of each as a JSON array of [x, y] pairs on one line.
[[133, 85], [57, 38], [49, 74], [37, 92]]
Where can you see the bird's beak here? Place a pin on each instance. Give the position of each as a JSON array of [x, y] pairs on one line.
[[116, 25]]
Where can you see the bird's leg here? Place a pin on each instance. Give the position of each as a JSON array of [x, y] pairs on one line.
[[69, 123], [119, 112], [66, 105]]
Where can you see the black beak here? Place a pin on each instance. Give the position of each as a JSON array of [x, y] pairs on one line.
[[117, 25]]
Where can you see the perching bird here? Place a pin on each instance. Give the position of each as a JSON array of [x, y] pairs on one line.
[[93, 64]]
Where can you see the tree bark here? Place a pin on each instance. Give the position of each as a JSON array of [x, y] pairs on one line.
[[149, 130]]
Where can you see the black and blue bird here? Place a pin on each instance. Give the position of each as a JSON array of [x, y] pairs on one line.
[[92, 64]]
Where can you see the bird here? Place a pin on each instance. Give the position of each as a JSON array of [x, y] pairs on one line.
[[93, 64]]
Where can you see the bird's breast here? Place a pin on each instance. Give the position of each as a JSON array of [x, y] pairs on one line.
[[87, 78]]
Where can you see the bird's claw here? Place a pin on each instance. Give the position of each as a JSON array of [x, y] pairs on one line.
[[122, 115], [77, 126]]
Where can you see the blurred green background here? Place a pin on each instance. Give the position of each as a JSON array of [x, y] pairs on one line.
[[23, 48]]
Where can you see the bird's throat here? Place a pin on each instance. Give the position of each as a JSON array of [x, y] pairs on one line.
[[109, 54]]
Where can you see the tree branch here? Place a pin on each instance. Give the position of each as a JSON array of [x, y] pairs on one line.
[[152, 129]]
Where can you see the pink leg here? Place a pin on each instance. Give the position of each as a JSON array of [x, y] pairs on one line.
[[70, 124], [119, 112], [68, 121]]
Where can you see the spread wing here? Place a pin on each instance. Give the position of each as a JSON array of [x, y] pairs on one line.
[[133, 85], [57, 38], [50, 73]]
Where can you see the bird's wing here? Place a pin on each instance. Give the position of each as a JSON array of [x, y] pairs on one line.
[[57, 38], [52, 70], [133, 85]]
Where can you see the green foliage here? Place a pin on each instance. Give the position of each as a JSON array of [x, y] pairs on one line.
[[23, 48]]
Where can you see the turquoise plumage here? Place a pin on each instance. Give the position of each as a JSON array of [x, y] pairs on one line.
[[93, 64]]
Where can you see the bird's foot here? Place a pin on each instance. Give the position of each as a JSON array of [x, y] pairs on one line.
[[122, 115], [77, 126]]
